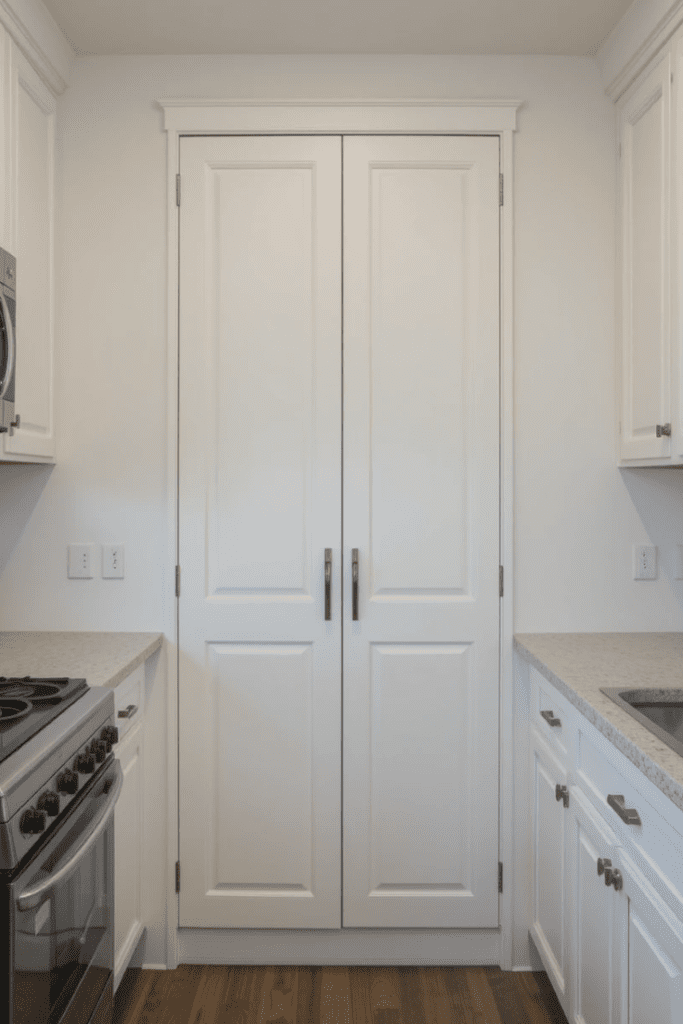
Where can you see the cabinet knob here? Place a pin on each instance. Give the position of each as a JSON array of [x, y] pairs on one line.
[[562, 793]]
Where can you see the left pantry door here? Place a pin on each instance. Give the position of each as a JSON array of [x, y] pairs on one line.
[[259, 502]]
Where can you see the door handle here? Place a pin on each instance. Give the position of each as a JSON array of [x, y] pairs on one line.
[[354, 583], [328, 584]]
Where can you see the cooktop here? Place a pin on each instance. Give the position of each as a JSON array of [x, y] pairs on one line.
[[28, 704]]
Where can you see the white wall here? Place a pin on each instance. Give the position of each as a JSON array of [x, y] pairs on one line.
[[577, 515]]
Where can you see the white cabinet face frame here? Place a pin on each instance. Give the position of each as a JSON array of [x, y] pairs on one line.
[[405, 117]]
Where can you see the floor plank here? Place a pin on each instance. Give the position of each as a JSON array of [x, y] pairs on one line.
[[336, 995]]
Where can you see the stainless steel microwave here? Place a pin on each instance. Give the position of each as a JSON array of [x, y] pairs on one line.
[[8, 344]]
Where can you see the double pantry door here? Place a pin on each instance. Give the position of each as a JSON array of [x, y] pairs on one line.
[[339, 390]]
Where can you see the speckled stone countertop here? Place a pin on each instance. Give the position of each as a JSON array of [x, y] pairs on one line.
[[579, 664], [102, 659]]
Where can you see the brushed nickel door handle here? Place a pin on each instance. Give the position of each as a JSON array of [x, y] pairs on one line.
[[328, 584], [354, 583]]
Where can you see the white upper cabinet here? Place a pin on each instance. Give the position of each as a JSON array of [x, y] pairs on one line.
[[26, 230]]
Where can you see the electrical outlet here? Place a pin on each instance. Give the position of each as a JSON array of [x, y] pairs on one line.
[[112, 561], [79, 561], [644, 562]]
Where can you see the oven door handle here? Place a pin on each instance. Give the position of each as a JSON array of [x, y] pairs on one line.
[[32, 896]]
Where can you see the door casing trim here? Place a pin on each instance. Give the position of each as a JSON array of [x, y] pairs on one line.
[[341, 117]]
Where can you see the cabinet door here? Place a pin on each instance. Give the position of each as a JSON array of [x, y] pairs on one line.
[[646, 267], [32, 175], [594, 925], [421, 341], [128, 924], [652, 962], [549, 927]]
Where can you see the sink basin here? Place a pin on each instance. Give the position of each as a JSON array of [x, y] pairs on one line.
[[660, 711]]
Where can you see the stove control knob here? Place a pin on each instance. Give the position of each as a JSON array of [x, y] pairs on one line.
[[85, 763], [67, 782], [99, 749], [49, 801], [32, 821], [110, 733]]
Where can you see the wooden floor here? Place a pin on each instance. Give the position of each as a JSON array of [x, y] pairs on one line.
[[336, 995]]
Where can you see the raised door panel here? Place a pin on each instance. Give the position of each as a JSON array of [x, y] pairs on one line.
[[550, 877], [259, 502], [128, 852], [595, 933], [421, 463], [652, 989], [646, 267], [34, 196]]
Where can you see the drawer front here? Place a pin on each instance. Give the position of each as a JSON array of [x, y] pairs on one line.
[[602, 772], [129, 699], [552, 715]]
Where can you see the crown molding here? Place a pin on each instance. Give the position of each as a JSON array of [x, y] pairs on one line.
[[477, 116], [40, 39], [644, 29]]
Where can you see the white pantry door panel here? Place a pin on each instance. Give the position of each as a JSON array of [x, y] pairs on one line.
[[421, 503], [259, 501]]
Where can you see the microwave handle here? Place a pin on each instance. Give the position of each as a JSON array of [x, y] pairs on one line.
[[32, 896]]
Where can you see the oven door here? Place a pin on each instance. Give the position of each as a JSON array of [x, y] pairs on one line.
[[62, 914]]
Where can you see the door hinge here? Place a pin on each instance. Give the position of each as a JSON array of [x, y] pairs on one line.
[[177, 876], [500, 580], [177, 190], [500, 187], [500, 876], [177, 581]]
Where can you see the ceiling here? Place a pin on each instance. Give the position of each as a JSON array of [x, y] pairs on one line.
[[574, 27]]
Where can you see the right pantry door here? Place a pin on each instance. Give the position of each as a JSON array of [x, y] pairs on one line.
[[421, 506]]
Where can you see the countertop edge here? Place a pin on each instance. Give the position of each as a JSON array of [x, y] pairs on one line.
[[138, 659], [642, 761]]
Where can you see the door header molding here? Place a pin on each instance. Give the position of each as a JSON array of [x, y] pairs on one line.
[[379, 117]]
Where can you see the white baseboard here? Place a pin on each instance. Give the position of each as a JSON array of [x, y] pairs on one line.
[[154, 967], [345, 947]]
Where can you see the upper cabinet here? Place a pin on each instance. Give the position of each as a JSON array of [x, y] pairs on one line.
[[651, 238], [27, 111]]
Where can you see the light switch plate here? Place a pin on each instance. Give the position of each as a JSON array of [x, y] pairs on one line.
[[79, 561], [112, 561], [644, 562]]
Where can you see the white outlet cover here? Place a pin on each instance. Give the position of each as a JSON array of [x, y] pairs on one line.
[[113, 561], [644, 562], [80, 561]]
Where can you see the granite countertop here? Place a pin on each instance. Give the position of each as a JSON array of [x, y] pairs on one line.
[[579, 664], [103, 659]]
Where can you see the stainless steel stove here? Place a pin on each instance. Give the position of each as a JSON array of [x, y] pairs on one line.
[[59, 782]]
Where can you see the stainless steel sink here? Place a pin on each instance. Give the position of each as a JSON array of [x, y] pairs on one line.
[[660, 711]]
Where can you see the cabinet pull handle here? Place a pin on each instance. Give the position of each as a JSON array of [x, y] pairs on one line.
[[129, 711], [354, 583], [16, 422], [328, 584], [663, 430], [628, 814], [616, 880], [604, 864], [550, 718], [562, 793]]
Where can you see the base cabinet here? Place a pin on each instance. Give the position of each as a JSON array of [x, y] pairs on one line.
[[128, 919]]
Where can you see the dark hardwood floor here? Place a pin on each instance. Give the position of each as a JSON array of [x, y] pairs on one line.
[[336, 995]]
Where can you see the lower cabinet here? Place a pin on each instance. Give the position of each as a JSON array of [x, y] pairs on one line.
[[128, 920]]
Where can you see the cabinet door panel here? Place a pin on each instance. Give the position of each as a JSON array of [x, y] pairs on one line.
[[654, 987], [34, 398], [595, 935], [646, 267], [128, 852], [549, 886]]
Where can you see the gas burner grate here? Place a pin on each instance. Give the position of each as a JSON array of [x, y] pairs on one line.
[[11, 710]]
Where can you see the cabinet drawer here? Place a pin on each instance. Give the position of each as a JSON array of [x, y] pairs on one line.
[[602, 771], [551, 715], [129, 698]]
